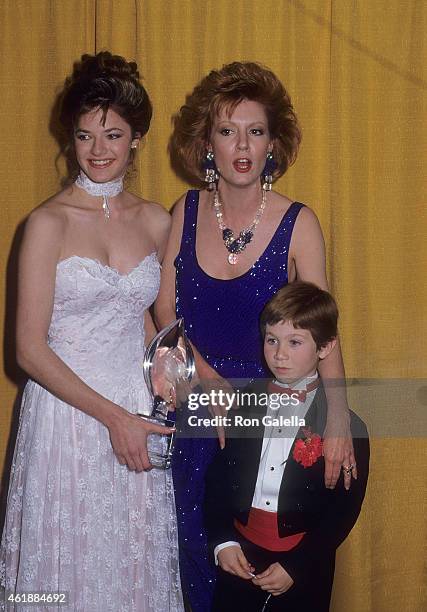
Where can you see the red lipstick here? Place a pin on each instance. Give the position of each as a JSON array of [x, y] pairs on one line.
[[243, 164]]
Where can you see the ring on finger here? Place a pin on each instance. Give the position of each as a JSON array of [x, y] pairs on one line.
[[348, 468]]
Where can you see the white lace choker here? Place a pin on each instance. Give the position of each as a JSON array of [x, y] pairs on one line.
[[106, 190]]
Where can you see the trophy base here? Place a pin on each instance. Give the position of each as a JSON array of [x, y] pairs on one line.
[[160, 447]]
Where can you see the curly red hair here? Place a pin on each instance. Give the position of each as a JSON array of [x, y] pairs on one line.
[[226, 88]]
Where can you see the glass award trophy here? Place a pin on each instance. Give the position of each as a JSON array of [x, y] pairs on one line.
[[168, 361]]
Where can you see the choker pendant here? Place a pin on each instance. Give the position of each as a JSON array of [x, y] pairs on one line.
[[105, 207], [106, 190]]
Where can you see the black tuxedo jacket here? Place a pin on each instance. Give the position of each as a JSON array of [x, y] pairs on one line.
[[304, 505]]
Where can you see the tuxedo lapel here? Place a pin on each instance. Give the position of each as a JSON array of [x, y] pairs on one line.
[[247, 447], [296, 478]]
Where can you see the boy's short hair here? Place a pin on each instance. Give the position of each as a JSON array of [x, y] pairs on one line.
[[305, 306]]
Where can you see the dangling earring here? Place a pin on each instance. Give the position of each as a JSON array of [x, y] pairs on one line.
[[267, 173], [211, 172]]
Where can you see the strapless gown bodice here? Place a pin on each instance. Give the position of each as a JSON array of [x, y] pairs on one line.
[[97, 325]]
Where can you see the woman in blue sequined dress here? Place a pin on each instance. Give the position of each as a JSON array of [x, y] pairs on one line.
[[232, 246]]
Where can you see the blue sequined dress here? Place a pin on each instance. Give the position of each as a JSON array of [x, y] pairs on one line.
[[222, 320]]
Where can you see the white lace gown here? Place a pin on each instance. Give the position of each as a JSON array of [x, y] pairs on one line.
[[77, 520]]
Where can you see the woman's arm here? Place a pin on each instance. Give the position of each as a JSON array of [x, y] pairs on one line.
[[160, 227], [308, 255], [165, 311], [40, 253], [164, 308], [149, 327]]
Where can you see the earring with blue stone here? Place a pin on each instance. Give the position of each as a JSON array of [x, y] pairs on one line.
[[211, 171], [267, 173]]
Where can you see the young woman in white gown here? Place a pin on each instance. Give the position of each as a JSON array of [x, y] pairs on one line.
[[84, 513]]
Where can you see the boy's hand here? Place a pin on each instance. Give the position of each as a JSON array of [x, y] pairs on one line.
[[275, 580], [233, 561]]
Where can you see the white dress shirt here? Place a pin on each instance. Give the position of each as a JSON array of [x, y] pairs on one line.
[[276, 445]]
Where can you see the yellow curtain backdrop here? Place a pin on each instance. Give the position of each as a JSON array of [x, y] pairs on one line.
[[356, 73]]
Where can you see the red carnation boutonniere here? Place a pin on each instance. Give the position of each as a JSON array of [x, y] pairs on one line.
[[308, 450]]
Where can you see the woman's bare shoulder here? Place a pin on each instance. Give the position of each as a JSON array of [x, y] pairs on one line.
[[178, 206], [45, 228], [307, 240], [279, 201], [307, 219], [178, 209], [154, 214], [52, 213]]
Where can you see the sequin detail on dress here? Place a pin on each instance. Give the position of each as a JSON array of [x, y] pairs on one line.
[[222, 320]]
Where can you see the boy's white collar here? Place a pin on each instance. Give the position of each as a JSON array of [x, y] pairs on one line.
[[299, 385]]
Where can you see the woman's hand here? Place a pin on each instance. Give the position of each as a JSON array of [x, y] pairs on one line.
[[338, 451], [168, 376], [213, 382], [232, 560], [128, 435], [275, 580]]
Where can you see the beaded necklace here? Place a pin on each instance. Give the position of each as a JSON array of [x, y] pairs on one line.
[[236, 245]]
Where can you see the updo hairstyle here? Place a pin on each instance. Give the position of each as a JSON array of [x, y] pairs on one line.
[[101, 81], [226, 88], [104, 81]]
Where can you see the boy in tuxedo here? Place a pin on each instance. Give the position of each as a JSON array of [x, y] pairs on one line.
[[272, 525]]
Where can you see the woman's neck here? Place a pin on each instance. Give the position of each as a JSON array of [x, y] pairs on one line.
[[236, 199], [107, 190]]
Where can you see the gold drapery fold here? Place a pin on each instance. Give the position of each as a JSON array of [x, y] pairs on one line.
[[356, 73]]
